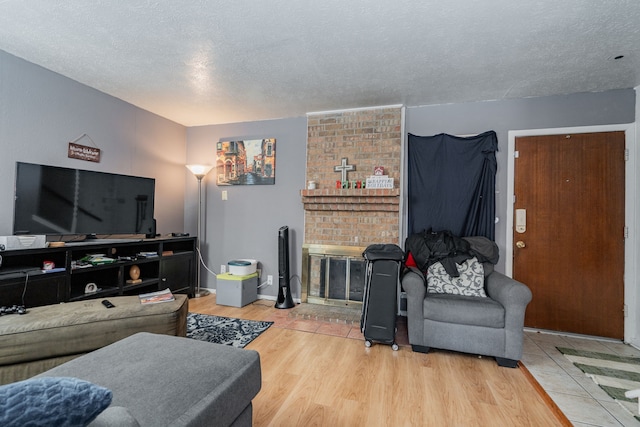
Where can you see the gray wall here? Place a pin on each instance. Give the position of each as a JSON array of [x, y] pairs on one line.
[[41, 111], [583, 109], [246, 225]]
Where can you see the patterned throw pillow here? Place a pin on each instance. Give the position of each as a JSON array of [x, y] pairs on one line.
[[50, 401], [469, 283]]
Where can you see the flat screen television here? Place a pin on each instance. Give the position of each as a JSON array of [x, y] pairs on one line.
[[57, 200]]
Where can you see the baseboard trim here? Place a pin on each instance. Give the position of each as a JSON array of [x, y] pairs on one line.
[[260, 296], [272, 298]]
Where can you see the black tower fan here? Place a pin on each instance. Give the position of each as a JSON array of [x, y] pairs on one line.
[[284, 288]]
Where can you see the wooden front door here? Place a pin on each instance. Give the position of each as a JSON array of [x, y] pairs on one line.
[[570, 248]]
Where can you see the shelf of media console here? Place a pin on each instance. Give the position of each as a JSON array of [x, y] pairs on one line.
[[102, 292], [115, 290], [87, 268], [145, 283], [13, 273]]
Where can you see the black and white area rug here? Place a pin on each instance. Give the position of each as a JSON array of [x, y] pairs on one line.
[[224, 330]]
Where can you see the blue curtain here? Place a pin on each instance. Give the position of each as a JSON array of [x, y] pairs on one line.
[[452, 184]]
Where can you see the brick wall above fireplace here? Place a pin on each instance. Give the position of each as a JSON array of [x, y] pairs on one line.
[[352, 217]]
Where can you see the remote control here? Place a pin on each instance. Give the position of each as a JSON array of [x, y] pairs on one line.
[[107, 303]]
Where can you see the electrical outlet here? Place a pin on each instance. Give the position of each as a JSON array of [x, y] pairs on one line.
[[223, 268], [269, 280]]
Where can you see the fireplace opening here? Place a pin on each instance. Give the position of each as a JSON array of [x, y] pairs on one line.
[[333, 275]]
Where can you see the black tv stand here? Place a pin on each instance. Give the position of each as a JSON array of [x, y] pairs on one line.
[[163, 263], [101, 242], [90, 238]]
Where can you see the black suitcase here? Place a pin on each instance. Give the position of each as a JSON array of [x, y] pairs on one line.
[[378, 321]]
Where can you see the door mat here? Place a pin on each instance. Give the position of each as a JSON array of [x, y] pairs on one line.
[[224, 330], [614, 374]]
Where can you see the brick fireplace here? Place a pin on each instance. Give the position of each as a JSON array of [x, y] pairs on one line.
[[341, 222]]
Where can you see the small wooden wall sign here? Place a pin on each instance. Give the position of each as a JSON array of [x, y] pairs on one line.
[[82, 152]]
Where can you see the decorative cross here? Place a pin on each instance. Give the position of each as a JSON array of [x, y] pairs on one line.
[[343, 168]]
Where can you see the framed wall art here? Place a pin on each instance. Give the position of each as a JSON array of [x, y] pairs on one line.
[[248, 162]]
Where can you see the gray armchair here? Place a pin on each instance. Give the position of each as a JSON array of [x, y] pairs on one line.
[[491, 326]]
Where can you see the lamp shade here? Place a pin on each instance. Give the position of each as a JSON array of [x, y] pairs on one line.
[[200, 171]]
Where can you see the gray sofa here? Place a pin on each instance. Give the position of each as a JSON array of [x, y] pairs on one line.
[[160, 380], [491, 326]]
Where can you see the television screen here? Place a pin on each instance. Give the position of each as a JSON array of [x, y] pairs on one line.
[[56, 200]]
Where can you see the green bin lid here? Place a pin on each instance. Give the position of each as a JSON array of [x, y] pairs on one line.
[[229, 276]]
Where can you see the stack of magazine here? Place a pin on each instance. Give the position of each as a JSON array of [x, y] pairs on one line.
[[156, 297], [150, 254]]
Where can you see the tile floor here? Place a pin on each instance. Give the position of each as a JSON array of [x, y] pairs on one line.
[[577, 396]]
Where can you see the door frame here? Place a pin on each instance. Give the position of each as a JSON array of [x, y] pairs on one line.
[[632, 222]]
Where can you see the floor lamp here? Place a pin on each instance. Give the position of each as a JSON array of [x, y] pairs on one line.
[[200, 171]]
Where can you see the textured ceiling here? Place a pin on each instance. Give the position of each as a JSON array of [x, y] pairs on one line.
[[210, 62]]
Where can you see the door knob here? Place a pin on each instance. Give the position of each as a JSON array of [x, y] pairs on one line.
[[520, 244]]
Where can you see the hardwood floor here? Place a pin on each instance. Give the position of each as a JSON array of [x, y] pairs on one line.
[[314, 379]]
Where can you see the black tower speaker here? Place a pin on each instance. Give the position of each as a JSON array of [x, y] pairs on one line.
[[284, 288]]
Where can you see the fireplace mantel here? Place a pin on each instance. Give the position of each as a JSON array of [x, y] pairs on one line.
[[356, 199]]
